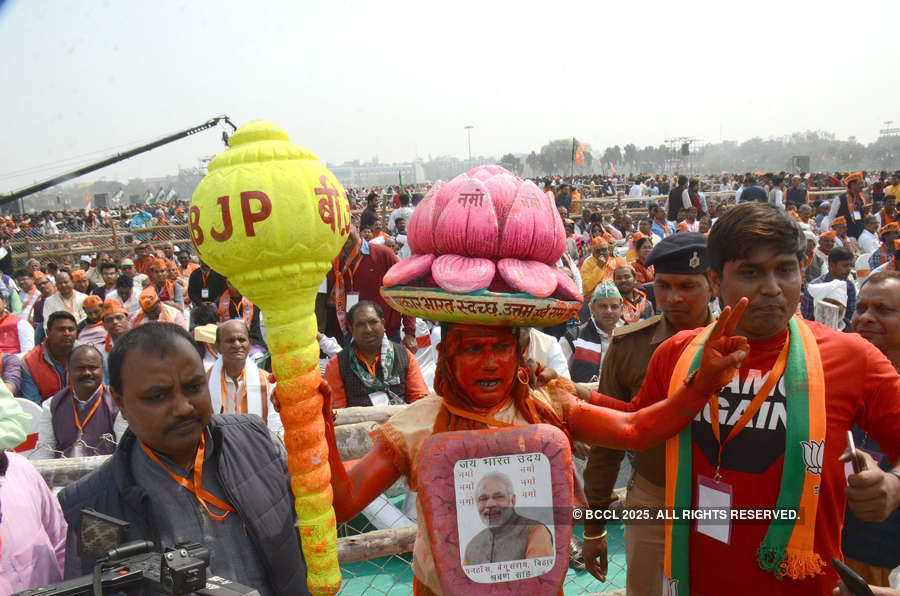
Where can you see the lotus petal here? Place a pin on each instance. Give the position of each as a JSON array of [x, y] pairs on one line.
[[468, 224], [419, 232], [486, 171], [458, 274], [503, 188], [559, 233], [532, 277], [446, 194], [529, 231], [405, 271], [566, 288]]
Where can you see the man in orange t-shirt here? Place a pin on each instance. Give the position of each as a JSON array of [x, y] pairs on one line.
[[755, 251]]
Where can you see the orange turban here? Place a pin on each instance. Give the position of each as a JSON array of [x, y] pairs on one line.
[[148, 298], [92, 301], [830, 234], [838, 221], [852, 177], [112, 306], [79, 275], [598, 242], [888, 228], [39, 275]]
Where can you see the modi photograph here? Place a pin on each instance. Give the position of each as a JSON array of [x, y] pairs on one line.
[[505, 517]]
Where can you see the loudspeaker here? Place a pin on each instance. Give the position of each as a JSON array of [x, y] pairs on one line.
[[100, 201], [685, 149]]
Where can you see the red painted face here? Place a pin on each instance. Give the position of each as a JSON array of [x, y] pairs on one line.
[[483, 362]]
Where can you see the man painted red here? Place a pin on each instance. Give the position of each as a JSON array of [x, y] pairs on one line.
[[482, 382]]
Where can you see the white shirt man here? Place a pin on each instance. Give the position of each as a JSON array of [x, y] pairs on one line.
[[404, 213], [236, 384], [868, 240], [73, 304]]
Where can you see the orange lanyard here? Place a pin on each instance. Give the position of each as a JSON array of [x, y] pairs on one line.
[[78, 422], [204, 277], [196, 486], [372, 368], [239, 393], [774, 376], [70, 308]]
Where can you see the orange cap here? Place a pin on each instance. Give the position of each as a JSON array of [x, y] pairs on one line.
[[148, 298], [92, 301], [112, 306], [598, 242], [888, 228], [38, 275], [170, 264], [830, 234], [838, 221], [851, 177], [158, 264], [79, 275]]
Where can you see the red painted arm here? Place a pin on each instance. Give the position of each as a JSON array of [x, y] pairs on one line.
[[639, 430], [366, 479], [651, 424]]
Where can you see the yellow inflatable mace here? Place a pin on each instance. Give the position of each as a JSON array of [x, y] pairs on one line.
[[271, 218]]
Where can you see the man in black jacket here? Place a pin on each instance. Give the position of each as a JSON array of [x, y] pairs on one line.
[[182, 474], [205, 285]]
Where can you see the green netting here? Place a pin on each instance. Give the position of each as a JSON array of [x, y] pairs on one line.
[[393, 575]]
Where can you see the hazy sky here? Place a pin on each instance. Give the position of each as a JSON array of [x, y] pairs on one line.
[[397, 79]]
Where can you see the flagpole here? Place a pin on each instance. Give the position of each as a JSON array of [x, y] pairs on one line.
[[572, 164]]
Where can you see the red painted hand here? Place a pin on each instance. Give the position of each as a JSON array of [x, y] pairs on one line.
[[723, 353]]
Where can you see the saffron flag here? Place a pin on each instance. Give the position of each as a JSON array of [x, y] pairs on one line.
[[579, 153]]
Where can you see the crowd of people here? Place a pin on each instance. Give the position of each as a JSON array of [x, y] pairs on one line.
[[78, 341]]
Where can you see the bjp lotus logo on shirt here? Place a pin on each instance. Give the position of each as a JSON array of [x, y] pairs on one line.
[[813, 451]]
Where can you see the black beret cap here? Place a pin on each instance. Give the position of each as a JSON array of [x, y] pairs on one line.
[[682, 253]]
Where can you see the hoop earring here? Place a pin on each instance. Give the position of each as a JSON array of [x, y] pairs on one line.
[[522, 371]]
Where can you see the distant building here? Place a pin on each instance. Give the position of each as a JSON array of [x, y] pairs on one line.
[[378, 174]]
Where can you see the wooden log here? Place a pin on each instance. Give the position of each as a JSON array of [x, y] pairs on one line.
[[353, 439], [378, 414], [62, 472], [378, 543]]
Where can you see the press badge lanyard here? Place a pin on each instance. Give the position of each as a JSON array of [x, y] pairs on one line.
[[196, 486], [773, 378], [78, 422]]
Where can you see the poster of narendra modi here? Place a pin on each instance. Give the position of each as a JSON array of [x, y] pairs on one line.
[[505, 517]]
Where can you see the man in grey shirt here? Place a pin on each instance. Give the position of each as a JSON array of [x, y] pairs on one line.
[[182, 474]]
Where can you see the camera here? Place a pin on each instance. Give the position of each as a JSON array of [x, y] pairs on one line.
[[135, 568]]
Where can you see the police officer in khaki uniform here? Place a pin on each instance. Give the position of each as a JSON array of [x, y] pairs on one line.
[[682, 293]]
